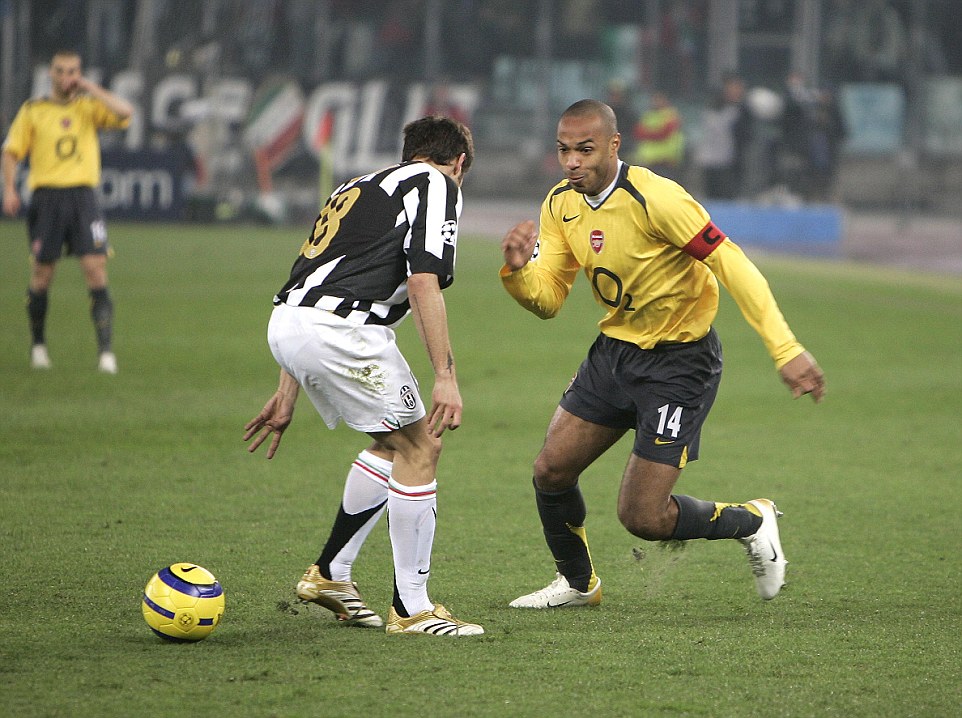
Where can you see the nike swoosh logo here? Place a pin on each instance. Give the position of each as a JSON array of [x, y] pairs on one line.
[[424, 573], [186, 569], [662, 442], [558, 605], [568, 219]]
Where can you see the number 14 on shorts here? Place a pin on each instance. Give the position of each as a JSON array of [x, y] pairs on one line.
[[669, 420]]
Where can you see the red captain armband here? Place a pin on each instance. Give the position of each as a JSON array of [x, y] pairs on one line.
[[705, 242]]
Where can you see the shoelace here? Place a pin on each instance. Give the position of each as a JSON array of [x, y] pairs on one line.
[[755, 559], [547, 591]]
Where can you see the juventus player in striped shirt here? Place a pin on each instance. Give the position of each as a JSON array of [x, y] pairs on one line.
[[382, 247], [654, 259]]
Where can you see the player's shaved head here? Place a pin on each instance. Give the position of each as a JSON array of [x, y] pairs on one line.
[[594, 108]]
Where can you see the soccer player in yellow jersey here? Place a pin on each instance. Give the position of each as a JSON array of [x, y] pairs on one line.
[[59, 134], [653, 258]]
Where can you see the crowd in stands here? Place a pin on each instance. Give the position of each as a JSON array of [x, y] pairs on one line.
[[750, 136], [745, 144]]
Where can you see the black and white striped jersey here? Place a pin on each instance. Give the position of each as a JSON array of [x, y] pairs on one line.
[[374, 232]]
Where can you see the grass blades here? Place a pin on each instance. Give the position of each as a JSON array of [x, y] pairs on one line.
[[106, 479]]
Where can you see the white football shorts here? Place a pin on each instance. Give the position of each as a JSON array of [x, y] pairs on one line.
[[353, 373]]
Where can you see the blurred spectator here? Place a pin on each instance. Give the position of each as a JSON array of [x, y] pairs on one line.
[[828, 134], [661, 140], [812, 130], [797, 125], [725, 132], [760, 171]]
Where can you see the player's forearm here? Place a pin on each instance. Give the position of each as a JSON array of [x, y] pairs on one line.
[[8, 166], [430, 318], [754, 298], [288, 387], [117, 104], [539, 295]]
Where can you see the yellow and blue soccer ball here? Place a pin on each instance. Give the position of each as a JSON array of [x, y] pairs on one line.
[[183, 603]]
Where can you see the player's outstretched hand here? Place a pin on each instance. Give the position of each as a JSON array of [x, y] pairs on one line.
[[273, 419], [804, 376], [518, 244]]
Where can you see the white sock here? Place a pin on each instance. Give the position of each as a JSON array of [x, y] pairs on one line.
[[412, 516], [366, 484], [365, 488]]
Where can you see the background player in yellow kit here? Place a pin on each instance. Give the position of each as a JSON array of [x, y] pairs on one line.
[[59, 134], [654, 258]]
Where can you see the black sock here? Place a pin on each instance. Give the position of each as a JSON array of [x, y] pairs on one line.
[[711, 520], [37, 314], [398, 604], [345, 526], [563, 518], [102, 311]]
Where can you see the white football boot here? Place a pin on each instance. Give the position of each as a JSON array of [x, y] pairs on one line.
[[764, 551], [558, 594], [107, 363], [39, 359]]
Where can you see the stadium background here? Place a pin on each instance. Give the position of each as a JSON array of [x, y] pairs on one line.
[[105, 479], [249, 110]]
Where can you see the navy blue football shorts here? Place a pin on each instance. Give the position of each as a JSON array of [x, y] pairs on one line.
[[65, 219], [664, 393]]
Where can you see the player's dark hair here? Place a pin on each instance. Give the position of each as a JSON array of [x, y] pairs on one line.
[[439, 139], [596, 108]]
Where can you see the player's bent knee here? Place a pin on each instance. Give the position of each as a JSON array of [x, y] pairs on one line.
[[551, 478], [649, 528]]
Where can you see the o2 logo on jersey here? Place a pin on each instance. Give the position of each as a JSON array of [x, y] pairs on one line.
[[597, 240], [408, 398], [449, 231]]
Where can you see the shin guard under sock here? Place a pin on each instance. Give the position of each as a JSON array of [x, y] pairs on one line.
[[712, 520], [563, 517], [412, 517], [102, 312], [363, 502], [37, 314]]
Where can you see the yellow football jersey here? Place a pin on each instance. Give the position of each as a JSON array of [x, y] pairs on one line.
[[651, 254], [61, 140]]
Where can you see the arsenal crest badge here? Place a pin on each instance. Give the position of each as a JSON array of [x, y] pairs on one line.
[[597, 240]]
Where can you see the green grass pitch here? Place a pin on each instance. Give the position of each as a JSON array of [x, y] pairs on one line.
[[104, 480]]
